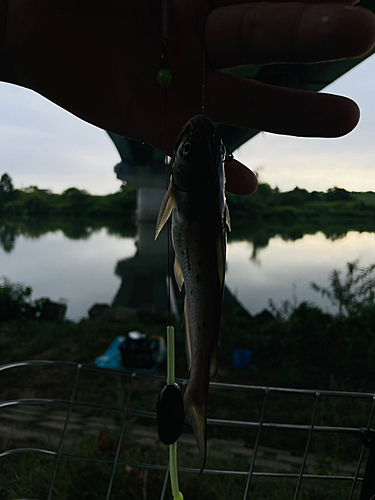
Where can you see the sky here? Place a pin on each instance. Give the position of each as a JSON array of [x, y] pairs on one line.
[[44, 145], [318, 164]]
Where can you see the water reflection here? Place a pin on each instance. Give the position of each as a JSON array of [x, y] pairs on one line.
[[8, 235], [82, 260], [77, 228], [261, 235], [73, 228], [287, 267], [144, 274], [70, 258]]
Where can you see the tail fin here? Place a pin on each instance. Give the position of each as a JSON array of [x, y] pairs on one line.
[[196, 417]]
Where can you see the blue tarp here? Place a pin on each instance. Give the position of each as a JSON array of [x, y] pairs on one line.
[[112, 357], [241, 358]]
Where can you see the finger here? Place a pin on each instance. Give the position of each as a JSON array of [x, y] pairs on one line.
[[240, 179], [222, 3], [291, 32], [246, 103]]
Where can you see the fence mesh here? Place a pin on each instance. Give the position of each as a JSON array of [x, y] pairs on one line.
[[297, 440]]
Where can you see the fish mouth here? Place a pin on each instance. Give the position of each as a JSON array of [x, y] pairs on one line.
[[198, 155], [201, 128], [198, 130], [198, 140]]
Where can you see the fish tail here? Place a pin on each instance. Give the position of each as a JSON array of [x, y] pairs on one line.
[[195, 416]]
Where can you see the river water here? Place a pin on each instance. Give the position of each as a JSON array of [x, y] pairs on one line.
[[101, 266]]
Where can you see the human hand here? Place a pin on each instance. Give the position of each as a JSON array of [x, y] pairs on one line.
[[99, 60]]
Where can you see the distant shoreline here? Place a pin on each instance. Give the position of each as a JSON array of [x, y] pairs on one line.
[[266, 205]]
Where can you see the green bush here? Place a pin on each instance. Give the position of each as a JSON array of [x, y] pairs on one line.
[[15, 301], [352, 293]]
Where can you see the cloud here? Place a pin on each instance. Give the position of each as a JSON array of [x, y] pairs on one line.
[[318, 164], [42, 144]]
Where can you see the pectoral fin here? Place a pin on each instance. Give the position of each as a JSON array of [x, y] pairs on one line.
[[178, 274], [227, 218], [165, 210]]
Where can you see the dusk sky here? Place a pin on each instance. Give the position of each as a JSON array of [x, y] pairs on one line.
[[44, 145]]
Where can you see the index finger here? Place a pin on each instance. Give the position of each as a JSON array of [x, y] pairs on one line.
[[223, 3]]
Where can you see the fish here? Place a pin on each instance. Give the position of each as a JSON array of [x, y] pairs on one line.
[[200, 223]]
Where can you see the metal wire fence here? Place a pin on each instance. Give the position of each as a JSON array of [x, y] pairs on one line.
[[323, 422]]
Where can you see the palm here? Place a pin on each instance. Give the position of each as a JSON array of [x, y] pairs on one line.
[[104, 67]]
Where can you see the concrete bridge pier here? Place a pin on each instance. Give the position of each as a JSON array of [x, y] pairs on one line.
[[148, 203]]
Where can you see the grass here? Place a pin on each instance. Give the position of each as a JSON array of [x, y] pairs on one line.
[[30, 474]]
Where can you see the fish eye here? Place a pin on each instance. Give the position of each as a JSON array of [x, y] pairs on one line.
[[186, 149]]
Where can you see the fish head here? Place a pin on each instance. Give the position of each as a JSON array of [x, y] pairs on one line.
[[199, 156]]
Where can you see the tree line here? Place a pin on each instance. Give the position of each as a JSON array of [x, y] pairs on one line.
[[72, 202], [267, 204]]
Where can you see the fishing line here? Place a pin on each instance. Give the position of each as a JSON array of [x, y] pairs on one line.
[[168, 225], [203, 77], [170, 409], [164, 78]]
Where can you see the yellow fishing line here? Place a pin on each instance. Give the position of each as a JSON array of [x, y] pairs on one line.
[[177, 495]]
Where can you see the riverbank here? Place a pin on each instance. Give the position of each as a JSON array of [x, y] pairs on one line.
[[294, 344], [292, 352], [285, 352]]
